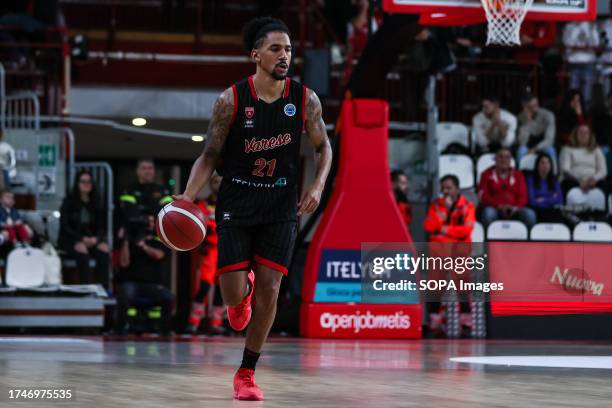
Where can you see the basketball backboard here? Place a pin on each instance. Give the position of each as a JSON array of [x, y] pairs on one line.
[[463, 12]]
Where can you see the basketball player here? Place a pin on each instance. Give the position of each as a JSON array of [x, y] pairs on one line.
[[254, 140]]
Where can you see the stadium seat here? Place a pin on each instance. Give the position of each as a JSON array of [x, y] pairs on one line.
[[552, 231], [528, 162], [451, 132], [594, 198], [593, 232], [459, 165], [478, 233], [507, 231], [485, 161]]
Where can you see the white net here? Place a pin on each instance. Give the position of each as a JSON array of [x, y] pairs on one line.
[[504, 18]]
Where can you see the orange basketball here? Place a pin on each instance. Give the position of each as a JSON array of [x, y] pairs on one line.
[[181, 225]]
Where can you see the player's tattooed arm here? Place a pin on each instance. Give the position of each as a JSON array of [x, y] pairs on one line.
[[218, 129], [315, 129]]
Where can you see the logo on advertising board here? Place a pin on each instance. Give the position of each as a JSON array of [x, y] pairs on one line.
[[339, 277], [363, 321], [343, 274]]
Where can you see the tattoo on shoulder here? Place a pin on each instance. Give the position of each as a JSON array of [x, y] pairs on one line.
[[220, 123], [313, 107]]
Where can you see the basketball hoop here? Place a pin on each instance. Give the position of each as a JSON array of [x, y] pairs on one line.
[[504, 18]]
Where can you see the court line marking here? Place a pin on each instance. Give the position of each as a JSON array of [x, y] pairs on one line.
[[598, 362]]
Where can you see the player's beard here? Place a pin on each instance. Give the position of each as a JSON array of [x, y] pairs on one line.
[[278, 77]]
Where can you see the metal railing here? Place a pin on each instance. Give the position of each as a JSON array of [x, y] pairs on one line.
[[21, 111]]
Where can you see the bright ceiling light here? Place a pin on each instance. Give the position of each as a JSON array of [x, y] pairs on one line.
[[139, 121], [197, 138]]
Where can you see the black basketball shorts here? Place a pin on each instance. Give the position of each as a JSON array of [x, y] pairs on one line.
[[243, 247]]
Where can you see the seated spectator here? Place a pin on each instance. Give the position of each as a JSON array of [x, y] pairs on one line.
[[451, 217], [572, 116], [503, 193], [580, 39], [13, 229], [83, 231], [493, 127], [545, 191], [582, 163], [142, 277], [399, 183], [536, 129]]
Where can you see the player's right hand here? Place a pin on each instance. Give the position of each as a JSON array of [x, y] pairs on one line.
[[182, 197]]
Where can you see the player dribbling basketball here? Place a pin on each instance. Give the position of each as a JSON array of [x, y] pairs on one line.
[[254, 140]]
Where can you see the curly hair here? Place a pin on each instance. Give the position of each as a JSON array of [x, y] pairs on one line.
[[256, 30]]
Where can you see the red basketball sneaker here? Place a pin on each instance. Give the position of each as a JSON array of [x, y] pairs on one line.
[[244, 386], [239, 316]]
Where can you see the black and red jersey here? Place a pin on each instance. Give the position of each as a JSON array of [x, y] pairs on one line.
[[260, 158]]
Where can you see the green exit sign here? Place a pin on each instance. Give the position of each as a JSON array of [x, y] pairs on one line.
[[47, 155]]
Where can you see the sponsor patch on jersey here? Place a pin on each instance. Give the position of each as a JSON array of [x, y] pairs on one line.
[[249, 112], [227, 216], [290, 109]]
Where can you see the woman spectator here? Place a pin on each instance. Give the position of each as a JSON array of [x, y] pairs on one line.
[[545, 191], [83, 230], [582, 162], [572, 115]]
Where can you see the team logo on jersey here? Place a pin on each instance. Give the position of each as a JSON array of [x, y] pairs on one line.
[[290, 109], [249, 114]]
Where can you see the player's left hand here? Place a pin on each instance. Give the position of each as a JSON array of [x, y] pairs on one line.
[[310, 200]]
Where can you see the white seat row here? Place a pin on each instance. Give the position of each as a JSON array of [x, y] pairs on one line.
[[517, 231]]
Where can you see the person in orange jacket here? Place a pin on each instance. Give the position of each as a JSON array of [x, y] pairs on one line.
[[451, 217], [208, 255], [449, 223]]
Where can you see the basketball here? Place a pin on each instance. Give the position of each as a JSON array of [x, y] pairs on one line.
[[181, 225]]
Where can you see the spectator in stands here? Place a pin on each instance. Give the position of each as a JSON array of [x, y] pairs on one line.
[[582, 163], [503, 192], [399, 183], [536, 129], [493, 127], [580, 40], [545, 191], [13, 228], [83, 231], [572, 115], [141, 199], [451, 217], [141, 277]]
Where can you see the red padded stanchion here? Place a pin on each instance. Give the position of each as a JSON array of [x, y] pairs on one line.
[[361, 209]]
